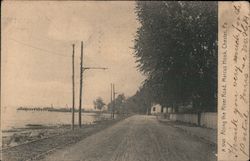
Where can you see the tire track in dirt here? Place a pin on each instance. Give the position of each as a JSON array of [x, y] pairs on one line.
[[137, 138]]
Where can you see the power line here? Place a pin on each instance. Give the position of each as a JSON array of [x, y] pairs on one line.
[[41, 49], [47, 51], [88, 41]]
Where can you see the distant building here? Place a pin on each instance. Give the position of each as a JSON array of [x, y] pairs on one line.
[[156, 109], [181, 107]]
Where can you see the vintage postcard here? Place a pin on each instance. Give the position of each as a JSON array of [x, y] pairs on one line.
[[124, 81], [233, 81]]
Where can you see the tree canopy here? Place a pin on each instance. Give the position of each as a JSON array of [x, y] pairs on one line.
[[119, 104], [176, 48], [98, 103]]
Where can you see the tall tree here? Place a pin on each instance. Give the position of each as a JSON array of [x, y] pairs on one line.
[[176, 48]]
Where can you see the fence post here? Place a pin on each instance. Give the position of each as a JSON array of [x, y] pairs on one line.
[[199, 118]]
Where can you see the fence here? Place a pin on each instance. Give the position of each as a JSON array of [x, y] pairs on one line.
[[207, 119]]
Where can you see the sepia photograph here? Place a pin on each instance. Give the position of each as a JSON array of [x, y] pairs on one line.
[[116, 81]]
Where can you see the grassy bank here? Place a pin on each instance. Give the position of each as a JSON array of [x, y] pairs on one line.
[[36, 141]]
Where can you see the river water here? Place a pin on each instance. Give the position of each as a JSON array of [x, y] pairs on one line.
[[19, 118]]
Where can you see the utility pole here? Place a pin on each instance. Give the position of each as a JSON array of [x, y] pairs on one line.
[[113, 101], [111, 107], [73, 87], [82, 69], [80, 99]]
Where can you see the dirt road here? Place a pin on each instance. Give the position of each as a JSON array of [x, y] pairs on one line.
[[137, 138]]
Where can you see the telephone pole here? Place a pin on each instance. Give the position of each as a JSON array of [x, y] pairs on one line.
[[80, 99], [111, 108], [113, 101], [82, 69], [73, 87]]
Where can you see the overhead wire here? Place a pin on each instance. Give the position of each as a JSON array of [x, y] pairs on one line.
[[38, 48], [88, 41]]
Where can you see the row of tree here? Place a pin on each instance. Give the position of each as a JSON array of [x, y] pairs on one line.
[[176, 48]]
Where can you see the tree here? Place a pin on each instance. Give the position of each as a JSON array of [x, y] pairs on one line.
[[176, 48], [119, 104], [98, 103], [140, 102]]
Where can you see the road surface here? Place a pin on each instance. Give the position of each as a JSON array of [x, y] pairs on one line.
[[137, 138]]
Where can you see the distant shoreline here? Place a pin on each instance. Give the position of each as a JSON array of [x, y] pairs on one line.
[[51, 109]]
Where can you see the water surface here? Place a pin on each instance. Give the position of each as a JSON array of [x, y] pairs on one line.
[[19, 118]]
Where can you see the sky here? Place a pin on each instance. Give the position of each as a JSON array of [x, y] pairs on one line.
[[37, 38]]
